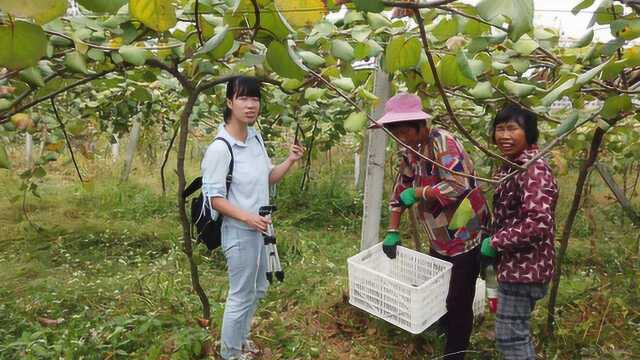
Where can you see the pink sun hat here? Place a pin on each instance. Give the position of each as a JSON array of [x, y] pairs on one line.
[[401, 107]]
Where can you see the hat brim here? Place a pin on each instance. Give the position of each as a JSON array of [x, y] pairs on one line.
[[392, 117]]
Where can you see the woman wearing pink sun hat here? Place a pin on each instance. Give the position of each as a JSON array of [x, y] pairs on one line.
[[451, 208]]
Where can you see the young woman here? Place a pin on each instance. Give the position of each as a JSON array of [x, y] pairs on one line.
[[523, 232], [438, 194], [242, 227]]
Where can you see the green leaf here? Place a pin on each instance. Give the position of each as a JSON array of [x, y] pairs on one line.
[[567, 124], [360, 32], [482, 90], [5, 163], [342, 50], [291, 84], [525, 45], [465, 67], [520, 65], [558, 91], [42, 11], [74, 61], [366, 94], [140, 94], [343, 83], [280, 61], [450, 73], [615, 105], [32, 76], [355, 122], [377, 21], [313, 94], [588, 75], [581, 6], [374, 48], [218, 45], [22, 44], [584, 39], [158, 15], [626, 29], [354, 16], [375, 6], [518, 13], [311, 59], [446, 28], [402, 53], [520, 90], [5, 104], [39, 172], [103, 6], [605, 15], [133, 55]]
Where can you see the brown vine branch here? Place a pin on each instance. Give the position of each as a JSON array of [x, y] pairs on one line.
[[197, 16], [473, 17], [5, 117], [524, 106], [445, 99], [256, 25], [173, 70], [66, 137], [390, 134], [421, 5], [166, 158], [110, 48]]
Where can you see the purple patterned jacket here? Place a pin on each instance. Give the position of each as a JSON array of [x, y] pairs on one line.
[[523, 222]]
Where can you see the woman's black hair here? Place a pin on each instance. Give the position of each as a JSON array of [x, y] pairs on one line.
[[411, 123], [527, 121], [241, 86]]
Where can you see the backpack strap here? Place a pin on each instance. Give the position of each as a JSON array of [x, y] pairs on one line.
[[229, 177]]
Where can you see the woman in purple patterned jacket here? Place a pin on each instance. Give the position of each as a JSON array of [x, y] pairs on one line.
[[523, 231]]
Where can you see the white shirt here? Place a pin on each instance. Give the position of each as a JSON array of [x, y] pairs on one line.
[[249, 188]]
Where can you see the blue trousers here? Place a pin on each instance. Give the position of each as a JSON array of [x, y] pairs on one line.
[[246, 266]]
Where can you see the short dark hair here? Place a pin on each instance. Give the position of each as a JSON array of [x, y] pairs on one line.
[[409, 123], [527, 121], [241, 86]]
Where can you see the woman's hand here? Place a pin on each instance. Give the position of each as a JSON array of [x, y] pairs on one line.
[[258, 222], [295, 153]]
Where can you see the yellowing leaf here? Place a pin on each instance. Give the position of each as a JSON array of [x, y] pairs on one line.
[[42, 11], [301, 13], [159, 15]]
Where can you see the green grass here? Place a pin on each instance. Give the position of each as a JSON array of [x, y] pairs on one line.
[[108, 264]]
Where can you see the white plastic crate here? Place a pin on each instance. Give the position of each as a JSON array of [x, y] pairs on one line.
[[409, 291], [480, 298]]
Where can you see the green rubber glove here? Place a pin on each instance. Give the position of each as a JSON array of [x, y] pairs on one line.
[[390, 243], [486, 249], [408, 197]]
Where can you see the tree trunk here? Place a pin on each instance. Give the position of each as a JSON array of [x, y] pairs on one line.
[[568, 226], [374, 180], [134, 136], [184, 221]]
